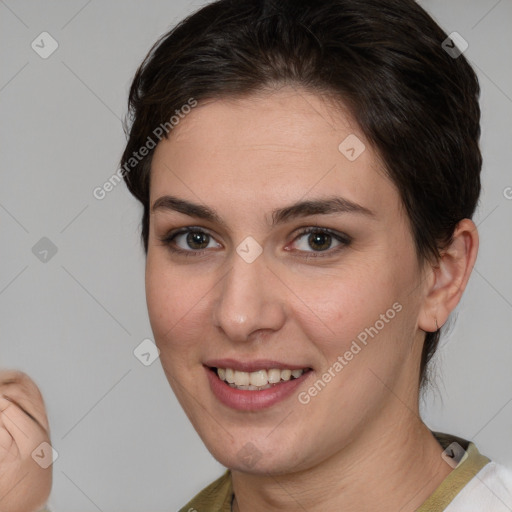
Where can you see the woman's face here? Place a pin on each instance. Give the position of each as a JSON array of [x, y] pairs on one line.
[[287, 249]]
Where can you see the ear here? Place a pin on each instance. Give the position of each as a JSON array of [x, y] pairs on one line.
[[448, 279]]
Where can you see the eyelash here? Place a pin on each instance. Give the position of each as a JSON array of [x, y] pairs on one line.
[[169, 239], [344, 240]]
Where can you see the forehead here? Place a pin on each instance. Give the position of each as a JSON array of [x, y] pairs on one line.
[[270, 148]]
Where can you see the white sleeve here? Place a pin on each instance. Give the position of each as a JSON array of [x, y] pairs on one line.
[[490, 490]]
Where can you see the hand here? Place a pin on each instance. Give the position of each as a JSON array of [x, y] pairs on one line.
[[24, 484]]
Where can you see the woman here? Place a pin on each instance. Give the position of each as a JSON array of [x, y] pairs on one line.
[[308, 172]]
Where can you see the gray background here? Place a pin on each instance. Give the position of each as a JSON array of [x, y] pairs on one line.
[[73, 321]]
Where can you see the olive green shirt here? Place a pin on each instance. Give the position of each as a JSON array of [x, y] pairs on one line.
[[217, 497]]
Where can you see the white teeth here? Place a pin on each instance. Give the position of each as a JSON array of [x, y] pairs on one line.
[[251, 388], [241, 378], [286, 374], [258, 380], [274, 376]]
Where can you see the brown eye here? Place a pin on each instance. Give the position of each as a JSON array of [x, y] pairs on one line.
[[190, 241], [319, 241], [197, 240], [313, 240]]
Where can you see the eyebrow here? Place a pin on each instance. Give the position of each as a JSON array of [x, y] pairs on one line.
[[279, 216]]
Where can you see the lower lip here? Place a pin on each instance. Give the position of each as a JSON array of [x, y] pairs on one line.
[[245, 400]]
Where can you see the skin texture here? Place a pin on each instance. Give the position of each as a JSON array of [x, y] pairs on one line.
[[24, 484], [297, 305]]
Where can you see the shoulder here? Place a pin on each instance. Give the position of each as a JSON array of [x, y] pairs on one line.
[[490, 490], [476, 484], [214, 498]]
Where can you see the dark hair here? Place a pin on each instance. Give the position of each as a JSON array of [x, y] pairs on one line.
[[415, 103]]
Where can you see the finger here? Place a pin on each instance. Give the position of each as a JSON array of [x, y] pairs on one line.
[[27, 435], [22, 390], [33, 418], [8, 450]]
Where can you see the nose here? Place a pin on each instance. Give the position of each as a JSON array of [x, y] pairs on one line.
[[250, 300]]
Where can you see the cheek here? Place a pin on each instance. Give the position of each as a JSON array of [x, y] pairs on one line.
[[364, 314], [343, 303], [175, 305]]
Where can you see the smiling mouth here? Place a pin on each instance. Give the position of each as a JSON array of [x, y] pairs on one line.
[[258, 380]]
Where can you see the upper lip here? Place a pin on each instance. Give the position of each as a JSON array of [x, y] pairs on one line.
[[252, 366]]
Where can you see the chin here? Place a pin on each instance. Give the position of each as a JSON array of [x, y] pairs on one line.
[[258, 454]]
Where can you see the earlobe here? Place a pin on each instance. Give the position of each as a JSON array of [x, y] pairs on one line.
[[449, 277]]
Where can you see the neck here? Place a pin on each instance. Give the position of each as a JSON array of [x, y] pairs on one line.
[[389, 467]]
